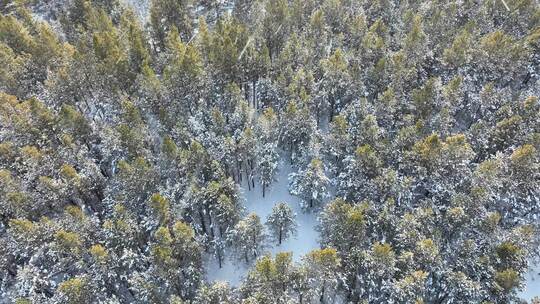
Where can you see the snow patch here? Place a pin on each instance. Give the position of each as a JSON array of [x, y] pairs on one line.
[[532, 284], [306, 239]]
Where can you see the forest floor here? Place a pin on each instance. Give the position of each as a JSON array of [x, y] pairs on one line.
[[532, 284], [234, 270]]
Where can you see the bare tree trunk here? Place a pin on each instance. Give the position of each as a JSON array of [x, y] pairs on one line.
[[254, 94], [211, 226], [248, 176], [321, 299], [203, 224], [332, 109], [251, 175], [239, 171]]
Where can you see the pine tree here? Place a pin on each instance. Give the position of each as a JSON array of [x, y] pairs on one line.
[[321, 267], [334, 84], [247, 237], [271, 279], [248, 152], [276, 17], [76, 290], [281, 222], [310, 184], [297, 128], [166, 14], [118, 137], [337, 141], [175, 252], [267, 164], [183, 74], [217, 293], [342, 225]]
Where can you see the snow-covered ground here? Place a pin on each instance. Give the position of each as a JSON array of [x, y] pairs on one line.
[[141, 8], [532, 284], [233, 270], [305, 240]]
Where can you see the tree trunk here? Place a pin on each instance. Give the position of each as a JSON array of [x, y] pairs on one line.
[[311, 203], [332, 109], [264, 188], [211, 225], [203, 224], [219, 258], [251, 166], [255, 245], [280, 235], [292, 153], [247, 176], [239, 171], [254, 94], [228, 172]]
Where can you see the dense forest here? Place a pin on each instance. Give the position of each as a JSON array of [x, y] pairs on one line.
[[128, 137]]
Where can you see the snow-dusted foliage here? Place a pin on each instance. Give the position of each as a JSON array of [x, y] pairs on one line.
[[310, 184], [247, 237], [281, 222], [144, 145], [267, 159]]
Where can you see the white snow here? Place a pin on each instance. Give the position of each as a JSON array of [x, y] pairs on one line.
[[141, 8], [305, 240], [231, 271], [532, 284]]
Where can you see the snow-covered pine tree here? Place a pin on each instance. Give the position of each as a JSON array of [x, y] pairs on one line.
[[267, 164], [281, 222], [247, 237], [310, 184]]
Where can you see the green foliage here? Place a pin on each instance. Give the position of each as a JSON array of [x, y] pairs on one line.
[[507, 279], [166, 14], [99, 253], [75, 290], [127, 134], [68, 241], [326, 259]]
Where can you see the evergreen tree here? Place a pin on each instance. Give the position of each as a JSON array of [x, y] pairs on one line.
[[310, 184], [270, 279], [216, 293], [166, 14], [321, 266], [124, 141], [247, 237], [281, 222], [334, 84], [267, 164]]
